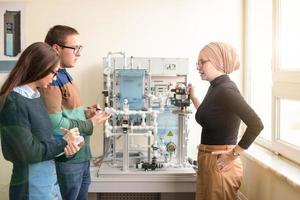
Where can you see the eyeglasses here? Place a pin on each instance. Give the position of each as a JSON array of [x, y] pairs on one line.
[[54, 73], [200, 63], [76, 49]]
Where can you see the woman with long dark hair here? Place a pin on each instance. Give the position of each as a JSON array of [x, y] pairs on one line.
[[26, 134]]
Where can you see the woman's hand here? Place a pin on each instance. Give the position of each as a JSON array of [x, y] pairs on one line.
[[74, 140], [225, 158], [71, 135], [191, 91], [71, 149]]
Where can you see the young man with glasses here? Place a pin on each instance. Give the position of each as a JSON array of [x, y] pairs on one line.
[[64, 105]]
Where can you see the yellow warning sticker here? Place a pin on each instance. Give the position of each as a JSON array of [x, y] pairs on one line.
[[170, 133]]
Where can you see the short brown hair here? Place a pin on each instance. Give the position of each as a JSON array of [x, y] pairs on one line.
[[57, 34], [36, 62]]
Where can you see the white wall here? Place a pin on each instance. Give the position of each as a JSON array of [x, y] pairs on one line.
[[169, 28]]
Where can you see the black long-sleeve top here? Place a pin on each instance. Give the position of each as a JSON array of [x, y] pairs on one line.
[[221, 112]]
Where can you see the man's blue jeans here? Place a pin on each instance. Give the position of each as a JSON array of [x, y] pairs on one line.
[[74, 180]]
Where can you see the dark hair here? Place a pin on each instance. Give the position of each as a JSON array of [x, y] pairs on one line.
[[57, 34], [36, 62]]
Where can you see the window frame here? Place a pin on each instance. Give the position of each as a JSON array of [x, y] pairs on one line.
[[286, 84]]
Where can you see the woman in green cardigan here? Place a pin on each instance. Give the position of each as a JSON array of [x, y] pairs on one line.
[[26, 134]]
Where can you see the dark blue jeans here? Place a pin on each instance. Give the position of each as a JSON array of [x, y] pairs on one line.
[[74, 180]]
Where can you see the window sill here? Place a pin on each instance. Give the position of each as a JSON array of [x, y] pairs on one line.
[[280, 166]]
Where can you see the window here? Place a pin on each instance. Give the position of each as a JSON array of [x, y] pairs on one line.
[[272, 60], [288, 29], [289, 121], [258, 59]]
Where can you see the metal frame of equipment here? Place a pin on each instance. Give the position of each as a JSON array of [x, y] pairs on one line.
[[148, 101]]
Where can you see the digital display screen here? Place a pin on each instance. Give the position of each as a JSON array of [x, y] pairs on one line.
[[9, 27]]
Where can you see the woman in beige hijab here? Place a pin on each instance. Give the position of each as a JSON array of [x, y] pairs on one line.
[[220, 113]]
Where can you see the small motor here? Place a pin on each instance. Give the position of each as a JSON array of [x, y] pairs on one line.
[[181, 97], [146, 166]]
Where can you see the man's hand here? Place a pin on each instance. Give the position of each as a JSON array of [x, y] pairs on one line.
[[99, 118], [91, 111], [74, 140]]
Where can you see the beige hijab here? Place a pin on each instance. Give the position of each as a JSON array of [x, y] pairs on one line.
[[222, 56]]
